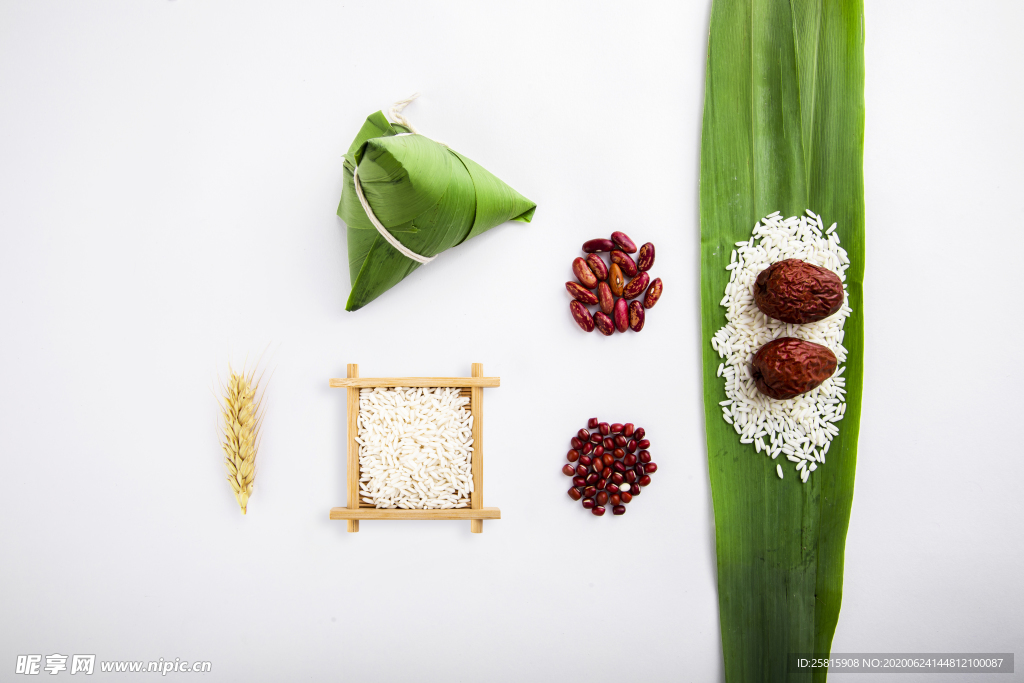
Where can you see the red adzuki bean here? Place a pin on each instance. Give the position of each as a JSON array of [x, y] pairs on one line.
[[574, 493]]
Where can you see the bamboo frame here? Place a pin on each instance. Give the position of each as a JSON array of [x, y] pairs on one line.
[[471, 387]]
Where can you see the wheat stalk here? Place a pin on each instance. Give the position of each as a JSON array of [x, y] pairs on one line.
[[242, 419]]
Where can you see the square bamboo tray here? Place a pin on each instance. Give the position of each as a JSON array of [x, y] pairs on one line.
[[473, 387]]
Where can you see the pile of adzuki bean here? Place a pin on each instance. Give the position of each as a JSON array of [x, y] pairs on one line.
[[608, 465], [592, 272]]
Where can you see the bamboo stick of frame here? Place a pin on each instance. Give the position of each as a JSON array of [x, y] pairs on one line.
[[476, 407], [470, 387], [352, 396]]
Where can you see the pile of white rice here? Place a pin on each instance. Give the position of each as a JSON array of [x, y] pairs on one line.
[[415, 447], [799, 428]]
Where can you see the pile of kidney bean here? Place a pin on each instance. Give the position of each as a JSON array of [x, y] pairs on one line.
[[608, 463], [625, 279]]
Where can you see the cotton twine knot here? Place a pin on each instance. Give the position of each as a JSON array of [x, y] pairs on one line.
[[395, 113]]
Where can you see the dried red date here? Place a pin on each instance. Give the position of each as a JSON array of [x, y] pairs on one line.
[[798, 292], [787, 367]]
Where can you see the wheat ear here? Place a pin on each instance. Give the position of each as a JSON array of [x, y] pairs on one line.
[[242, 419]]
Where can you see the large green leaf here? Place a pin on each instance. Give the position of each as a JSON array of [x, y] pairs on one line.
[[783, 130], [430, 197]]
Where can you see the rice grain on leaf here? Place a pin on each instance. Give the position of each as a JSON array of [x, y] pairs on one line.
[[783, 129]]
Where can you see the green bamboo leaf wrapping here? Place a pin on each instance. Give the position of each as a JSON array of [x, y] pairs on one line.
[[430, 198], [783, 130]]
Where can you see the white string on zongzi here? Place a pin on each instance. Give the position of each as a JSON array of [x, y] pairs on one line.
[[384, 232], [397, 117], [395, 113]]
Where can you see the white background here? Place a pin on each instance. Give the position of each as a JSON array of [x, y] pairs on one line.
[[169, 174]]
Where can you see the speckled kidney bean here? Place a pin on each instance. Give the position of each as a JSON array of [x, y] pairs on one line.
[[645, 259], [625, 244], [653, 293], [637, 316], [621, 315], [616, 281], [625, 262], [592, 246], [604, 324], [581, 294], [636, 286], [582, 316], [605, 298], [583, 273], [598, 266]]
